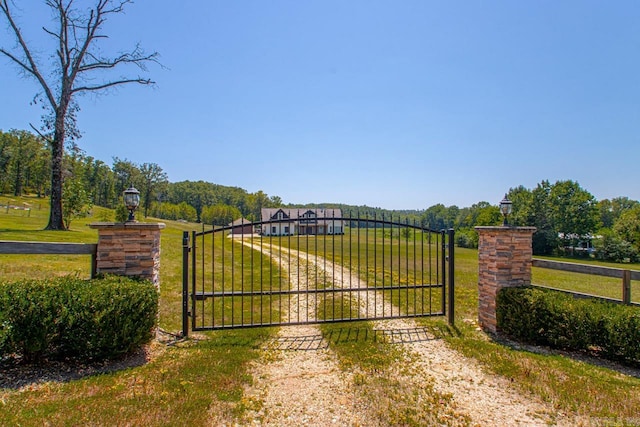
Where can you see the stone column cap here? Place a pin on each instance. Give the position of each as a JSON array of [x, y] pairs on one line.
[[504, 228], [128, 225]]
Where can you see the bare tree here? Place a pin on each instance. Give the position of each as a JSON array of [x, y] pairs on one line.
[[78, 68]]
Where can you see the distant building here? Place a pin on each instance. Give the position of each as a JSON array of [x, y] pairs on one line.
[[289, 222], [241, 226]]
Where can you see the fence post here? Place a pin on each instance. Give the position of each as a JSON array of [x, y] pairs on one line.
[[626, 287], [504, 260], [94, 264]]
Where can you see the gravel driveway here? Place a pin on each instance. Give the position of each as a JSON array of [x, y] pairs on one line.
[[303, 384]]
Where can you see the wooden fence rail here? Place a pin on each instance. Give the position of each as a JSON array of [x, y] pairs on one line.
[[625, 275], [43, 248]]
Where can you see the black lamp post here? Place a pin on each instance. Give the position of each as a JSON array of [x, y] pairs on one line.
[[505, 209], [131, 201]]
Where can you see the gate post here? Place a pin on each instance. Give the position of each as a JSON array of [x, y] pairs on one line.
[[452, 306], [504, 260]]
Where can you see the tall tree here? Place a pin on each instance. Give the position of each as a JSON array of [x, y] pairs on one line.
[[78, 68], [24, 152], [127, 174], [573, 211], [627, 227], [154, 179]]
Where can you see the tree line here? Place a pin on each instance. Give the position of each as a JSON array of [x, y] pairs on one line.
[[25, 168], [568, 220], [566, 216]]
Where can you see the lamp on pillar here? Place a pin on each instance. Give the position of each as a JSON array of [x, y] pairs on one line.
[[131, 201], [505, 209]]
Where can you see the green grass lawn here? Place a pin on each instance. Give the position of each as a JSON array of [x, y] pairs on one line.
[[584, 283], [199, 380]]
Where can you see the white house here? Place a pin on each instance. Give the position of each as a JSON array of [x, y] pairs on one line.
[[289, 222]]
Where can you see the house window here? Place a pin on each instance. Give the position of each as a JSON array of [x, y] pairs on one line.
[[273, 230], [286, 230]]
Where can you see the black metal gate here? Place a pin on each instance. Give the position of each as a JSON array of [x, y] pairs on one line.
[[284, 272]]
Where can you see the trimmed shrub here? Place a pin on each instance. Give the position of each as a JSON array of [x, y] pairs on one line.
[[70, 317], [556, 319]]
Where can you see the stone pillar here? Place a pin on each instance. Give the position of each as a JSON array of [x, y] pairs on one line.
[[129, 249], [504, 255]]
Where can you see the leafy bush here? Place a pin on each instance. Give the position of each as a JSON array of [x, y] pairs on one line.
[[466, 238], [69, 317], [540, 316], [612, 248]]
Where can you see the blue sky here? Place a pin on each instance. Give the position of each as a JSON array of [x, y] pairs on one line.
[[394, 104]]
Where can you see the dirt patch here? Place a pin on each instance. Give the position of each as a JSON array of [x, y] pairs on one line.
[[302, 387]]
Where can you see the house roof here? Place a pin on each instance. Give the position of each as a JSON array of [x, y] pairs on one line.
[[294, 214]]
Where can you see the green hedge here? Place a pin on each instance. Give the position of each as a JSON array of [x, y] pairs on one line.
[[70, 317], [556, 319]]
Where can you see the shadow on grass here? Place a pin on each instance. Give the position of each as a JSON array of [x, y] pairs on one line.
[[15, 374], [592, 359]]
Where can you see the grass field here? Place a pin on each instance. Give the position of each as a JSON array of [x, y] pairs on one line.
[[195, 381]]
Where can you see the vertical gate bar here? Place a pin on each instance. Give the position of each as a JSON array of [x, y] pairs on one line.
[[307, 272], [270, 320], [298, 262], [317, 264], [261, 272], [415, 267], [280, 269], [333, 262], [430, 268], [233, 280], [399, 268], [325, 277], [451, 278], [383, 259], [444, 270], [360, 262], [289, 284], [421, 271], [406, 220], [344, 227], [222, 297], [213, 276], [241, 270], [185, 284], [194, 252], [251, 308], [399, 272], [366, 260], [375, 265], [202, 277]]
